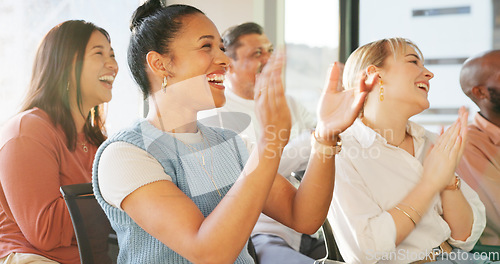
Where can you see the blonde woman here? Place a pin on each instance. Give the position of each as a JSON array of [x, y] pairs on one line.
[[397, 198]]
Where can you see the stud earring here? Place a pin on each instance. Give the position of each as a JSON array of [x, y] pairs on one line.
[[164, 84], [381, 97]]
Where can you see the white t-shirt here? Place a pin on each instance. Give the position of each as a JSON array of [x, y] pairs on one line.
[[122, 161]]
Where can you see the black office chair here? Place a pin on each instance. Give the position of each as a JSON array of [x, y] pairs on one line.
[[251, 251], [332, 250], [96, 239]]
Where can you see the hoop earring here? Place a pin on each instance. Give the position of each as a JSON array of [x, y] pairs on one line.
[[164, 84], [381, 97]]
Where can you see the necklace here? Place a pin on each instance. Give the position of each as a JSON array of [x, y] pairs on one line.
[[202, 163], [397, 146], [84, 147]]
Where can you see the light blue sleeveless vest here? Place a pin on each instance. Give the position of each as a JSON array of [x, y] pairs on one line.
[[183, 165]]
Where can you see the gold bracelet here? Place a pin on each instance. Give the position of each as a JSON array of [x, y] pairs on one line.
[[404, 212], [455, 186], [411, 207], [324, 149]]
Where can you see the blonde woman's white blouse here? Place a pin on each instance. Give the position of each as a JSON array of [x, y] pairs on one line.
[[373, 177]]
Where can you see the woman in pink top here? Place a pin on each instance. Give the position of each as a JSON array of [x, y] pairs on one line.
[[52, 143]]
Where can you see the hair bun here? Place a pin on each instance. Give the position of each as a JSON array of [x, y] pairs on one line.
[[145, 10]]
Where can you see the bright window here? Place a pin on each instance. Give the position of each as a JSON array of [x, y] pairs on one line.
[[312, 43], [447, 32], [24, 25]]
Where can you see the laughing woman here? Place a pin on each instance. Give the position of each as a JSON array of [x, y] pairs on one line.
[[176, 191], [52, 143], [397, 198]]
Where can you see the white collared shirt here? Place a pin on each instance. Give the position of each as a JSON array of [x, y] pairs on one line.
[[373, 177]]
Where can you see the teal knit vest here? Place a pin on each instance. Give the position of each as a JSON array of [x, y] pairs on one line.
[[228, 154]]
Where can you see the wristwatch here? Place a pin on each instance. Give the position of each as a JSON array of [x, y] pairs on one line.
[[454, 186]]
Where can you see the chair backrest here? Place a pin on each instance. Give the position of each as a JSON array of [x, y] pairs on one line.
[[333, 252], [92, 229], [251, 251]]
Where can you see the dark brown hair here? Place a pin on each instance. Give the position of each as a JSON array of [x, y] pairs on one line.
[[59, 55], [153, 26]]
